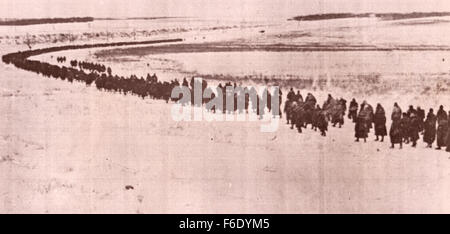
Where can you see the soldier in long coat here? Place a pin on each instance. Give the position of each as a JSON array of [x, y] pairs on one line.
[[441, 114], [353, 110], [430, 129], [310, 100], [362, 126], [396, 133], [411, 110], [291, 95], [396, 113], [380, 123], [421, 116], [298, 97], [338, 112], [414, 128], [322, 123], [368, 109], [442, 131], [329, 100], [405, 127], [315, 117]]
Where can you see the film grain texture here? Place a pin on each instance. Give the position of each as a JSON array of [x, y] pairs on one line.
[[224, 106]]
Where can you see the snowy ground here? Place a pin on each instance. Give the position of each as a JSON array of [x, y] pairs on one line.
[[67, 148]]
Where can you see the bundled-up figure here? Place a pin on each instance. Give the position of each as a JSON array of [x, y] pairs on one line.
[[330, 101], [310, 101], [441, 114], [414, 128], [442, 132], [396, 113], [338, 112], [298, 97], [442, 128], [288, 105], [364, 121], [291, 95], [295, 114], [380, 123], [405, 127], [430, 129], [353, 110], [298, 113], [328, 106], [421, 117], [368, 113], [322, 123], [411, 111], [315, 117], [396, 133]]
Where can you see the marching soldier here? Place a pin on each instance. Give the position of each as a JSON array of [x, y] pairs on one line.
[[430, 129]]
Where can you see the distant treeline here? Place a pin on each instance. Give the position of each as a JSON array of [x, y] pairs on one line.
[[22, 22], [383, 16]]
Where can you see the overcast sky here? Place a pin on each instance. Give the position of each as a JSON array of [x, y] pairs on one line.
[[209, 8]]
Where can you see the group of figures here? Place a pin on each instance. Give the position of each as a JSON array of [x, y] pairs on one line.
[[406, 127], [85, 65], [234, 98], [61, 59], [303, 112]]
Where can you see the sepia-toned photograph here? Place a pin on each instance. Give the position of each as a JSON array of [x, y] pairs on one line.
[[224, 107]]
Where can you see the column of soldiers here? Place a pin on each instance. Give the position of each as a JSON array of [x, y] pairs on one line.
[[300, 113], [406, 127]]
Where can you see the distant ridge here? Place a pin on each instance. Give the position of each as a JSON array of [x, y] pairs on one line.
[[139, 18], [23, 22], [34, 21], [382, 16]]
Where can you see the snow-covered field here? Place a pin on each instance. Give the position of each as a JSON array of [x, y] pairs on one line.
[[67, 148]]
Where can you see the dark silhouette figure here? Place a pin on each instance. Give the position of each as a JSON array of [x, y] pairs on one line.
[[353, 110], [421, 118], [414, 128], [291, 95], [405, 127], [442, 128], [380, 123], [396, 133], [430, 129]]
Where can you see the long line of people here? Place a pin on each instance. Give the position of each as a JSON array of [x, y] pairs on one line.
[[406, 127], [103, 79]]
